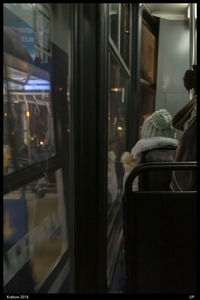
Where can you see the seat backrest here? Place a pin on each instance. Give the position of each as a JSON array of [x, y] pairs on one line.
[[160, 236], [157, 180]]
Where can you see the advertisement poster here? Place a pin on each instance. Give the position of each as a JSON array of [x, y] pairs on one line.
[[33, 234]]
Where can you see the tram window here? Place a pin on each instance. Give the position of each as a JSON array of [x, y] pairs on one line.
[[117, 101], [116, 124], [114, 19], [125, 32], [148, 55], [34, 230], [147, 104], [28, 123]]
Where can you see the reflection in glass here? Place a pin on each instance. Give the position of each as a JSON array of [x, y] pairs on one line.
[[28, 134], [125, 32], [117, 101], [118, 94], [148, 55], [114, 16], [112, 178], [147, 106], [34, 232], [28, 129]]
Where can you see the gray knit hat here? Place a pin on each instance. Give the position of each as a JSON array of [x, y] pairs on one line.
[[158, 124]]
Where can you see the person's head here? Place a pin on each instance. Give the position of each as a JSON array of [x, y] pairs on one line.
[[190, 78], [158, 124]]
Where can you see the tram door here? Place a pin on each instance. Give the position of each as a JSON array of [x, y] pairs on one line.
[[36, 96], [119, 75]]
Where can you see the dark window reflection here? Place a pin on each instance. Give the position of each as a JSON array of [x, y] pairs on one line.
[[28, 134], [34, 230], [125, 32], [114, 11], [118, 93], [148, 55]]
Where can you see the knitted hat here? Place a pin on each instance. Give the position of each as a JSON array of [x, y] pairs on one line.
[[158, 124]]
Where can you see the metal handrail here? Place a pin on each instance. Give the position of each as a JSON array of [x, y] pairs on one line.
[[156, 167]]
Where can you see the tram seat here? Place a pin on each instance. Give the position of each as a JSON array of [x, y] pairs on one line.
[[163, 178], [160, 235]]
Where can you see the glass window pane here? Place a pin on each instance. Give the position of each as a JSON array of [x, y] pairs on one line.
[[125, 32], [37, 83], [35, 234], [114, 16], [28, 135], [118, 96], [148, 55], [118, 93], [147, 104]]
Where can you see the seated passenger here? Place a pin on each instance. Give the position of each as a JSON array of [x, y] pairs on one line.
[[186, 120], [158, 144]]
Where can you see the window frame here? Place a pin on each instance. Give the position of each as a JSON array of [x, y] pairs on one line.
[[117, 49], [114, 51]]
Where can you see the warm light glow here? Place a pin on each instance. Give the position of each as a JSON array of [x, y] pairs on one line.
[[28, 114], [116, 90], [41, 143], [119, 128], [12, 133], [5, 114], [60, 89]]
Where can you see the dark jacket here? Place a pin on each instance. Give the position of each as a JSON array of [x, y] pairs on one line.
[[186, 151], [186, 119]]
